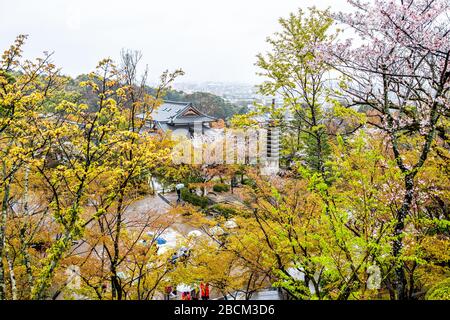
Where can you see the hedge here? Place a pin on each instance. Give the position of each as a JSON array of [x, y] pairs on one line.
[[225, 211], [193, 198], [221, 187]]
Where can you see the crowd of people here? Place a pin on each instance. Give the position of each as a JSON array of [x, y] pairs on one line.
[[196, 292]]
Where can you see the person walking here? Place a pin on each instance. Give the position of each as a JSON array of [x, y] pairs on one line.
[[178, 187], [195, 292], [204, 290], [185, 296], [168, 291]]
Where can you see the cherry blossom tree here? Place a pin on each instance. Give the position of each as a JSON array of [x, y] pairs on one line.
[[398, 67]]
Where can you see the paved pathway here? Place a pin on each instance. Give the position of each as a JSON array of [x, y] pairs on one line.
[[155, 205], [148, 204]]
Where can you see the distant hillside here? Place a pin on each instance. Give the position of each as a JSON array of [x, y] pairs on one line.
[[206, 102]]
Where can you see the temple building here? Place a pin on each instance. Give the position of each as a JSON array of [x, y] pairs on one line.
[[183, 119], [179, 117]]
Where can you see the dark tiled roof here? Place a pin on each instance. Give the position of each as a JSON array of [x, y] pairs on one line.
[[167, 110], [170, 112]]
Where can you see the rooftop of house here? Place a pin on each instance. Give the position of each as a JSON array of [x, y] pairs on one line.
[[178, 113]]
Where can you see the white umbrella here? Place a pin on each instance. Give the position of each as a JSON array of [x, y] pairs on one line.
[[182, 287], [179, 186], [171, 236], [230, 224], [194, 233], [216, 231]]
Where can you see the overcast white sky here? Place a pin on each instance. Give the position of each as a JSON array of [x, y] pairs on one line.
[[210, 40]]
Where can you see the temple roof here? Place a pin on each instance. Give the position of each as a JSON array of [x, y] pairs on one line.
[[178, 113]]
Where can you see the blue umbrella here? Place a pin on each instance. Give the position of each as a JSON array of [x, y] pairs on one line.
[[160, 240]]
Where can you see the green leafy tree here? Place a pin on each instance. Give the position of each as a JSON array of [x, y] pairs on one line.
[[295, 71]]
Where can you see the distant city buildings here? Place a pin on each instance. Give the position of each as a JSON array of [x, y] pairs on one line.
[[236, 93]]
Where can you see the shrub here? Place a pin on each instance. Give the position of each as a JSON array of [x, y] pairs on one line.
[[193, 198], [223, 210], [441, 291], [249, 182], [221, 187]]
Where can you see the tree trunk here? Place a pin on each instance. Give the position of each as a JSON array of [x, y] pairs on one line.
[[115, 286], [58, 249], [400, 278], [2, 237], [12, 275], [22, 233], [115, 283]]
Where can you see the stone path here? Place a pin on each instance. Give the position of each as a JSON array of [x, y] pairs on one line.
[[155, 205]]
